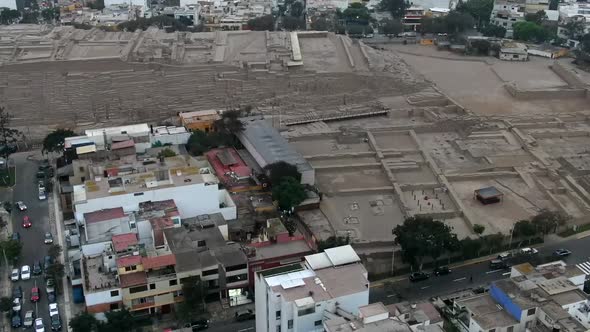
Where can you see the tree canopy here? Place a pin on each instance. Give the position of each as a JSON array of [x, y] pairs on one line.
[[54, 141], [193, 293], [83, 322], [9, 16], [162, 21], [279, 170], [230, 123], [454, 22], [321, 24], [480, 10], [118, 321], [537, 17], [12, 249], [6, 304], [545, 221], [530, 31], [356, 13], [574, 29], [291, 23], [262, 23], [391, 27], [421, 237], [289, 193], [396, 8], [296, 9], [478, 229], [492, 30], [8, 136]]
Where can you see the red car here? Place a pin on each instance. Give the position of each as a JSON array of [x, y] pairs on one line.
[[27, 222], [34, 294]]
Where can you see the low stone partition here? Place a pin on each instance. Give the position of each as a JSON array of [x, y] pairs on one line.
[[347, 50], [518, 93], [312, 34], [361, 191], [551, 134], [570, 78], [348, 166], [439, 215], [486, 175]]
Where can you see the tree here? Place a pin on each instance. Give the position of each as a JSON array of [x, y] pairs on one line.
[[332, 241], [54, 251], [31, 17], [8, 136], [262, 23], [54, 141], [537, 17], [574, 29], [321, 24], [118, 321], [12, 249], [524, 229], [433, 25], [289, 193], [546, 221], [356, 13], [391, 27], [194, 294], [480, 46], [422, 236], [530, 31], [230, 123], [291, 23], [585, 42], [296, 9], [83, 322], [5, 304], [9, 16], [50, 14], [470, 248], [553, 4], [478, 229], [492, 30], [166, 153], [494, 241], [458, 21], [96, 4], [279, 170], [480, 10], [198, 143], [57, 272], [396, 8]]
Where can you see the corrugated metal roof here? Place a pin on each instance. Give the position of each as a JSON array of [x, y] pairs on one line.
[[86, 149], [342, 255]]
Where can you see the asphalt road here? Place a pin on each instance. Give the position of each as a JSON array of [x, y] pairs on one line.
[[32, 238], [247, 326], [459, 279]]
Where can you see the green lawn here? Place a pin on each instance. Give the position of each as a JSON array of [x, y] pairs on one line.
[[7, 178], [570, 232]]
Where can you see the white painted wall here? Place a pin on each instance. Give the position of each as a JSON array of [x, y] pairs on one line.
[[101, 297], [10, 4], [174, 139], [191, 200]]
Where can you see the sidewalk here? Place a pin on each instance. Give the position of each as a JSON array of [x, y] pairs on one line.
[[5, 285]]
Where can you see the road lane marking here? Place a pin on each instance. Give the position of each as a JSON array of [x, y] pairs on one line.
[[424, 287], [505, 274], [391, 295], [246, 329], [494, 271], [460, 279]]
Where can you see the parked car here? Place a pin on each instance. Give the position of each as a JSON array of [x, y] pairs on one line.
[[528, 251], [198, 325], [496, 264], [242, 315], [504, 255], [37, 270], [27, 222], [53, 310], [15, 275], [35, 294], [16, 236], [55, 323], [16, 305], [39, 325], [42, 195], [17, 292], [442, 270], [29, 319], [562, 252], [418, 276], [51, 297], [16, 320], [48, 238], [50, 285], [21, 206], [47, 263], [25, 272]]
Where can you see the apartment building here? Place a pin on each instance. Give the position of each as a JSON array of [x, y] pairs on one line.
[[506, 13], [300, 296], [544, 298], [200, 120], [374, 317]]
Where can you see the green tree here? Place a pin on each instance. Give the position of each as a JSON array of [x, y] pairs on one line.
[[83, 322], [321, 24], [530, 31], [492, 30], [96, 4], [12, 249], [230, 123], [31, 17], [391, 27], [166, 153], [5, 304], [553, 4], [478, 229], [480, 10], [291, 23], [331, 242], [356, 29], [54, 251], [536, 18], [57, 272], [574, 29], [193, 304], [50, 14], [9, 16], [585, 42], [118, 321], [54, 141], [356, 13], [396, 8], [421, 237], [262, 23], [433, 25], [289, 193], [458, 22], [296, 9], [279, 170], [480, 46], [8, 136], [470, 248], [198, 143], [524, 229], [494, 242], [546, 221]]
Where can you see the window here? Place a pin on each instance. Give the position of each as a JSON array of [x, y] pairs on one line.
[[137, 289], [510, 329], [81, 168], [209, 272], [130, 268], [492, 330], [317, 323], [290, 324], [531, 311], [236, 267], [83, 179], [138, 194], [114, 306], [278, 328], [132, 224], [311, 310], [173, 282], [152, 286], [114, 293], [278, 314], [201, 243], [238, 278]]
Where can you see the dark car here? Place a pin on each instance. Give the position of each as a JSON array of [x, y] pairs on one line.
[[562, 252], [198, 325], [498, 264], [37, 270], [15, 236], [17, 292], [55, 323], [51, 297], [442, 270], [16, 320], [418, 276], [243, 315], [47, 263]]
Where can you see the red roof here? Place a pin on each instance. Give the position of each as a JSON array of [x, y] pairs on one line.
[[133, 279], [122, 145], [158, 225], [158, 261], [128, 261], [232, 162], [104, 215], [122, 241]]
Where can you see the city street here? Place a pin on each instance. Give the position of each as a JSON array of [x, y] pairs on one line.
[[247, 326], [459, 279], [32, 238]]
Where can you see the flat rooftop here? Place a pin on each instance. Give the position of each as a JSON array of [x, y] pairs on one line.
[[487, 312], [95, 278], [282, 249]]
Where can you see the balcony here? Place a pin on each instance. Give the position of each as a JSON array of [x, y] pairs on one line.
[[155, 277]]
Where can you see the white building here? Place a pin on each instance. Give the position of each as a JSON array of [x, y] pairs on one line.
[[10, 4], [143, 3], [299, 297], [506, 13], [169, 135]]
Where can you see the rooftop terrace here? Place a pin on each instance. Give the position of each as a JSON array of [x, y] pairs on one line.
[[95, 276]]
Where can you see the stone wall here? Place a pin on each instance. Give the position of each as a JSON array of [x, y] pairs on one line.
[[519, 93]]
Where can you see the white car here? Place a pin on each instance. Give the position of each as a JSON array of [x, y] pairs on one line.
[[529, 251], [39, 325], [25, 272], [42, 195], [15, 275], [21, 206], [16, 305], [53, 309]]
